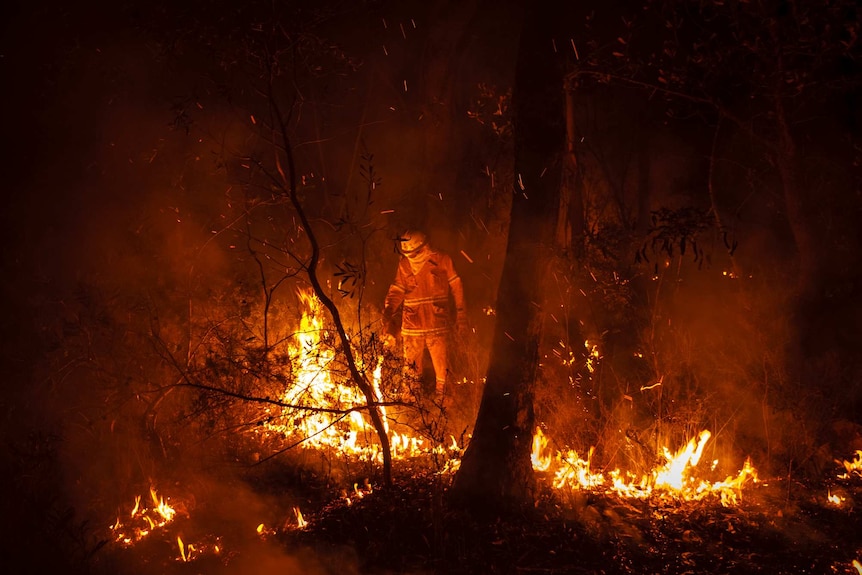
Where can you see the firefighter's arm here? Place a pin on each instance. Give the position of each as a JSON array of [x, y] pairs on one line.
[[457, 289], [391, 305]]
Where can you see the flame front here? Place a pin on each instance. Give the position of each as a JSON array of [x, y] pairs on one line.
[[676, 478]]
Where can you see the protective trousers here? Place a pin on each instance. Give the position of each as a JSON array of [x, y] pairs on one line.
[[415, 345]]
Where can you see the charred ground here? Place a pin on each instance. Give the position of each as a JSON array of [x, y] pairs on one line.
[[781, 526]]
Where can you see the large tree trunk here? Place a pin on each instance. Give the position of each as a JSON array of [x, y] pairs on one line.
[[496, 472], [570, 220]]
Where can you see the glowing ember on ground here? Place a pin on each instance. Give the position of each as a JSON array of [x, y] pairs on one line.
[[143, 520], [191, 551], [834, 499], [676, 478], [265, 531]]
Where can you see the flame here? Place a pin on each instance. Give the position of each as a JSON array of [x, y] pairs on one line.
[[183, 556], [300, 522], [834, 499], [674, 473], [330, 410], [857, 566], [675, 478], [852, 467], [593, 355], [541, 462], [163, 509], [191, 551], [143, 520], [314, 386]]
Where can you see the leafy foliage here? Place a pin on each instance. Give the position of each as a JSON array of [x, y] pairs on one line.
[[679, 229]]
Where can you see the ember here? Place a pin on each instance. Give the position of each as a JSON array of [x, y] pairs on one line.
[[835, 499]]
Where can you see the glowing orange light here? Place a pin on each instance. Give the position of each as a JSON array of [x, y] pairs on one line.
[[541, 460], [300, 522], [673, 474], [336, 420], [185, 558], [677, 477], [834, 499], [853, 467], [143, 520]]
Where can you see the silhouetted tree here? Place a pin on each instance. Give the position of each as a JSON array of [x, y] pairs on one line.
[[496, 471]]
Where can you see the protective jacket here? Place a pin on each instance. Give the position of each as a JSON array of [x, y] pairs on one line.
[[424, 294]]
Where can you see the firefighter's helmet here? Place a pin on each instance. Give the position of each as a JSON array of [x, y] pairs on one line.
[[411, 242]]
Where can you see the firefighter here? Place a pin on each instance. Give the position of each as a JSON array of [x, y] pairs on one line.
[[430, 295]]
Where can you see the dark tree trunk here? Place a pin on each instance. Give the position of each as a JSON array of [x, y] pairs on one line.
[[570, 220], [496, 473]]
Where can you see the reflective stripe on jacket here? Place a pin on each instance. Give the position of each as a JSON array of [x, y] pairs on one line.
[[425, 295]]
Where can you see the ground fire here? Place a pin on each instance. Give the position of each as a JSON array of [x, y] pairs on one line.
[[143, 518], [326, 413], [335, 424]]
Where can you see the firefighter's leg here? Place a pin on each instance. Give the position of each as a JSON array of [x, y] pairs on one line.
[[414, 347], [437, 350]]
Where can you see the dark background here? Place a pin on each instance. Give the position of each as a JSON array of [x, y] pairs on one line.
[[123, 128]]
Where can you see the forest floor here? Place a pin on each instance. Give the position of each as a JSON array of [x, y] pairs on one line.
[[778, 527]]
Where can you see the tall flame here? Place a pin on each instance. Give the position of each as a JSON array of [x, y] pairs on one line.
[[541, 461], [674, 473], [329, 409]]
